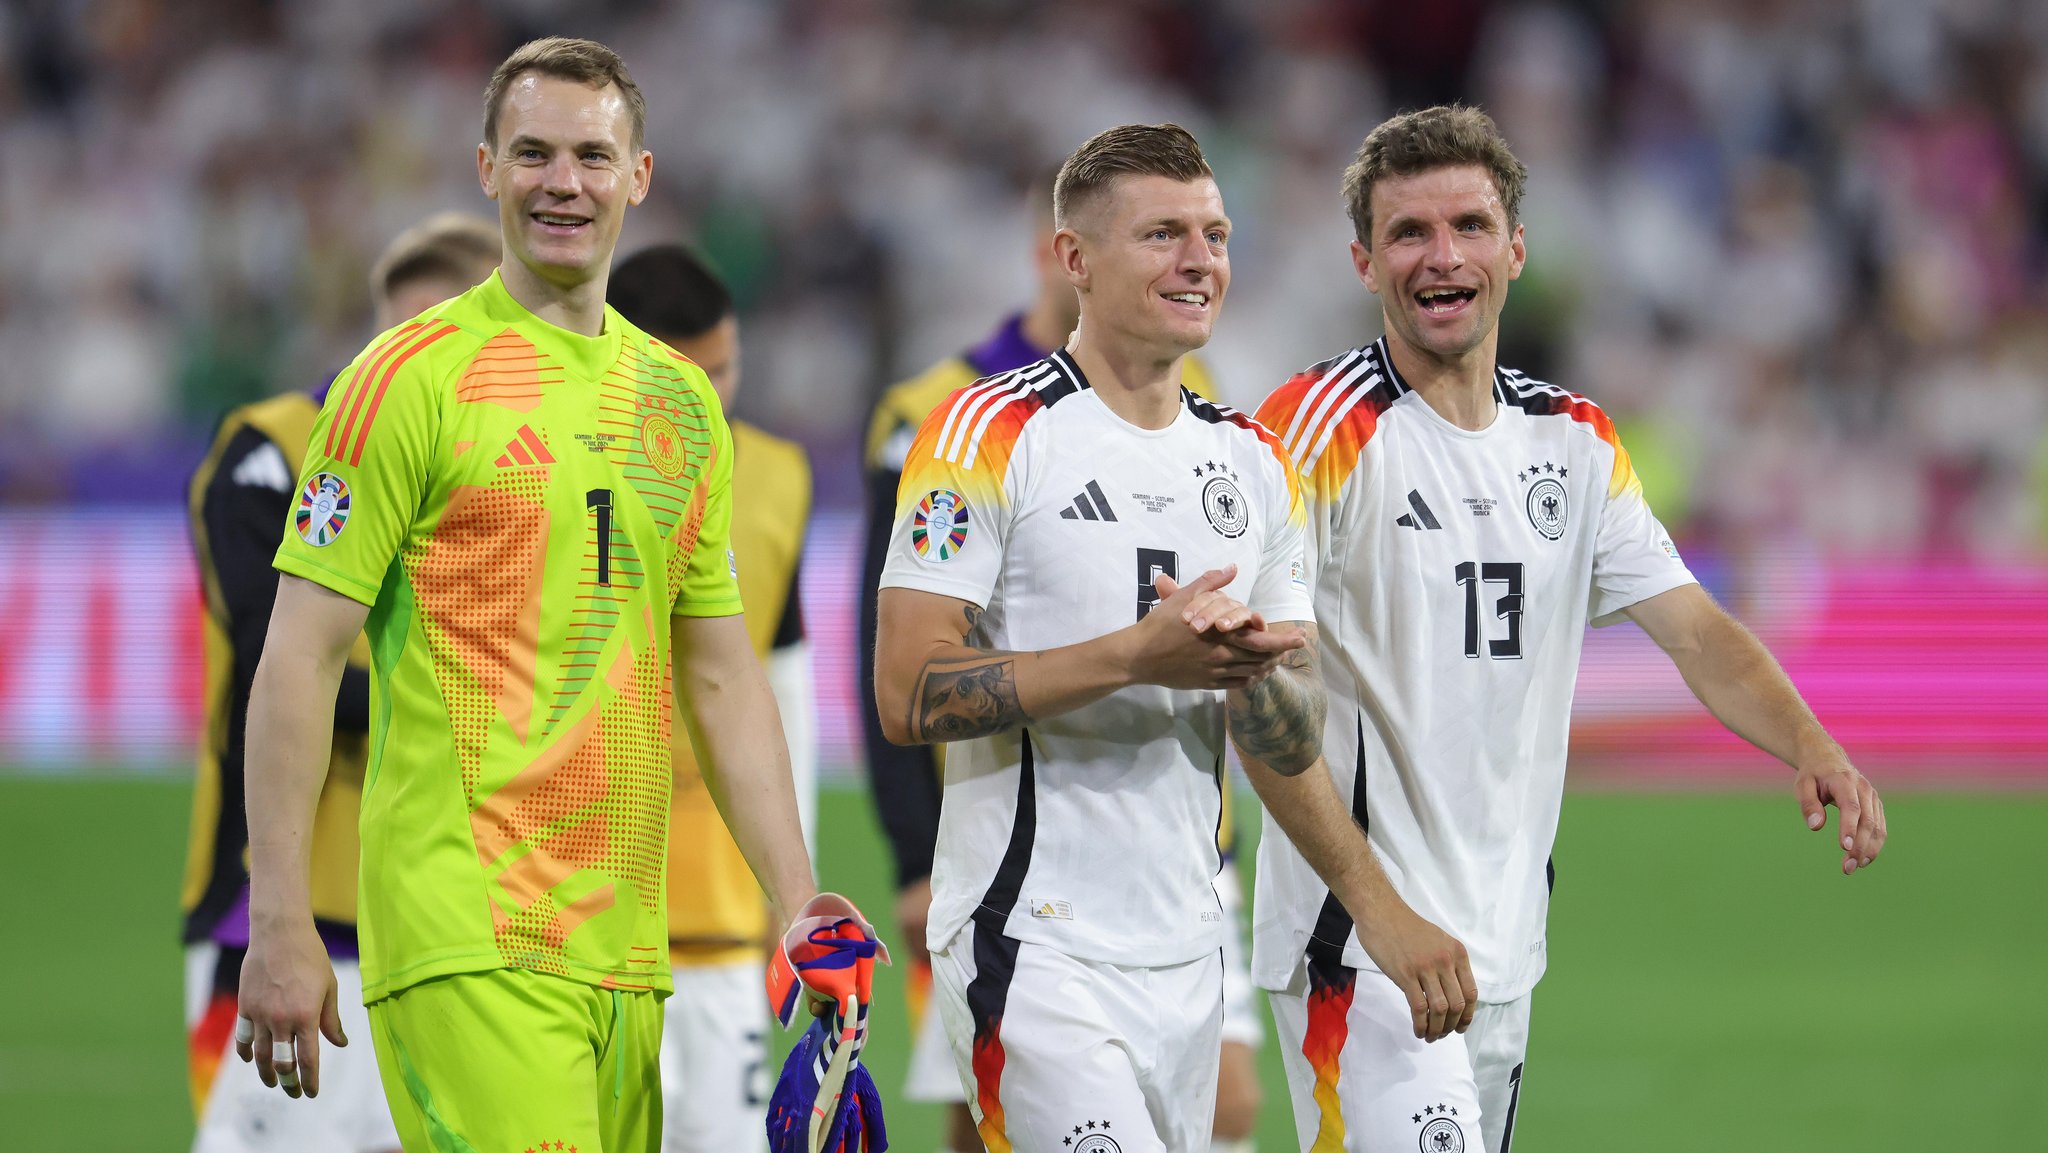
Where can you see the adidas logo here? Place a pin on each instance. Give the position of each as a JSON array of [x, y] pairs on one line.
[[524, 450], [1090, 505], [1419, 519]]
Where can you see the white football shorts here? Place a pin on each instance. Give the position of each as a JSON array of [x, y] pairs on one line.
[[1393, 1093], [931, 1078], [350, 1115], [715, 1078], [1062, 1055]]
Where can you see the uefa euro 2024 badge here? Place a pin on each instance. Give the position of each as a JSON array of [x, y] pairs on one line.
[[938, 529], [323, 509], [1545, 499]]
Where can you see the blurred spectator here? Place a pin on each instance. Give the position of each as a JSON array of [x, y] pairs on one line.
[[1800, 250]]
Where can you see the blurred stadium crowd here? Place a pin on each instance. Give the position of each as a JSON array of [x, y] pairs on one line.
[[1798, 248]]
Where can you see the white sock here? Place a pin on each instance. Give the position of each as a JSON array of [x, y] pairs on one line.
[[1244, 1146]]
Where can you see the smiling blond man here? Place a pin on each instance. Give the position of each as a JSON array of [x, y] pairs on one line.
[[1031, 613], [527, 500]]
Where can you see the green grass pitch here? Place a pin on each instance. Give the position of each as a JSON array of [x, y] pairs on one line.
[[1714, 983]]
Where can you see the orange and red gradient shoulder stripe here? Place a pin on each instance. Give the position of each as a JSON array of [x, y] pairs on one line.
[[966, 442], [1323, 431], [1550, 400], [356, 411]]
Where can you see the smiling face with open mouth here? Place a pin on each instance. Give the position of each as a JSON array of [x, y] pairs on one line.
[[563, 172], [1156, 262], [1443, 253]]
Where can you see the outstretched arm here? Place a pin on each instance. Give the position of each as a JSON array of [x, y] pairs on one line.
[[1732, 674], [736, 729]]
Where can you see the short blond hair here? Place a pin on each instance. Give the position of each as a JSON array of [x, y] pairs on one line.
[[567, 58], [450, 245], [1446, 136], [1127, 150]]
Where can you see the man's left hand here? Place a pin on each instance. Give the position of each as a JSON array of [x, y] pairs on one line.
[[1834, 781]]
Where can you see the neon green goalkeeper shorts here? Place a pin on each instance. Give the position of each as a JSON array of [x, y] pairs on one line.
[[512, 1061]]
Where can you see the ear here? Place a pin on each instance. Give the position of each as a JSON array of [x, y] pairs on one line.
[[1521, 252], [486, 167], [643, 177], [1361, 262], [1068, 255]]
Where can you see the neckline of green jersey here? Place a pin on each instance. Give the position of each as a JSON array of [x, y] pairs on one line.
[[589, 357]]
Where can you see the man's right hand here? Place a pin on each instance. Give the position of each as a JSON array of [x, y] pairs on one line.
[[1198, 637], [1428, 964], [288, 1000], [913, 909]]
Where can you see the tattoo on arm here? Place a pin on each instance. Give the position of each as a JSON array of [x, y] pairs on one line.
[[1279, 721], [960, 699]]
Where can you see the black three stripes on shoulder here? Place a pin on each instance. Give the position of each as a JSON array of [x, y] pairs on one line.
[[1531, 396]]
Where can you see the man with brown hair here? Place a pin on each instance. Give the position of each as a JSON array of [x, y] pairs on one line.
[[1031, 614], [241, 497], [528, 500], [1466, 523]]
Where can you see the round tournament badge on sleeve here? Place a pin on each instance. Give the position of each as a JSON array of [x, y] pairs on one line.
[[939, 527], [323, 509]]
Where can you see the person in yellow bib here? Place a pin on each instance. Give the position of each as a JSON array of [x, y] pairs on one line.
[[240, 497], [527, 500], [714, 1051]]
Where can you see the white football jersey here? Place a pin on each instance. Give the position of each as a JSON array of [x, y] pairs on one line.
[[1454, 575], [1093, 832]]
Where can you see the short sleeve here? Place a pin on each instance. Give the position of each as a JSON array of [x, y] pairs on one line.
[[711, 579], [1633, 557], [366, 469], [1281, 590], [953, 505]]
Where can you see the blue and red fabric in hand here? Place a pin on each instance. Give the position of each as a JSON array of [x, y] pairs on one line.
[[825, 1101]]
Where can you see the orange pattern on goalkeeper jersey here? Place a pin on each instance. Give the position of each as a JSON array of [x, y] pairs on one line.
[[509, 371], [477, 579], [594, 799]]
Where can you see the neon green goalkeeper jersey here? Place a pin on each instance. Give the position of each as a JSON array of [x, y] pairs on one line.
[[523, 509]]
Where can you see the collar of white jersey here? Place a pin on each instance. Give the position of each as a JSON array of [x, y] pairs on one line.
[[1505, 395], [1070, 373]]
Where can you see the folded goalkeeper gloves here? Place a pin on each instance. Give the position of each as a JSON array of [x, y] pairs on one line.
[[825, 1101]]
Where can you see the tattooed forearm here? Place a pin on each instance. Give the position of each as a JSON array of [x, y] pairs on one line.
[[1279, 721], [961, 700]]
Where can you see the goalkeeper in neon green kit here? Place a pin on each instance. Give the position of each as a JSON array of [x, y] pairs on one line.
[[526, 500]]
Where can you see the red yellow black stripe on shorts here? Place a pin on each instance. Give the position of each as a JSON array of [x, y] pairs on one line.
[[995, 958], [1331, 986]]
